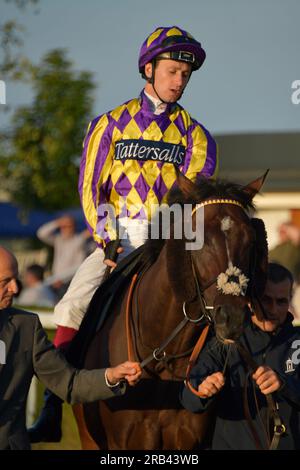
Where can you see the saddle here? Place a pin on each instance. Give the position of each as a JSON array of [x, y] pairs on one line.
[[101, 304]]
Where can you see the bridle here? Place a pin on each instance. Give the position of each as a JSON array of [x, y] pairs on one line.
[[159, 353]]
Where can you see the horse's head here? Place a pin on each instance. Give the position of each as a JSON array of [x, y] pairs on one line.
[[230, 268]]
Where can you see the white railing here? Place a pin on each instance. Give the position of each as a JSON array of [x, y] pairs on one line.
[[46, 319]]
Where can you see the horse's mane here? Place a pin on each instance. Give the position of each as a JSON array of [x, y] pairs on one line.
[[200, 191], [261, 253], [205, 188]]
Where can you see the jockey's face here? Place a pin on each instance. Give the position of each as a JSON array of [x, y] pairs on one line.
[[171, 78], [8, 278], [275, 301]]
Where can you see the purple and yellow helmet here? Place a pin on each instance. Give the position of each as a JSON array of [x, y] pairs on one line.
[[171, 43]]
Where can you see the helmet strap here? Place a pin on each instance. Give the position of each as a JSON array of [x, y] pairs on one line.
[[152, 81]]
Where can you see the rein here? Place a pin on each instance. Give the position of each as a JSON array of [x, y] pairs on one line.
[[158, 353], [279, 428]]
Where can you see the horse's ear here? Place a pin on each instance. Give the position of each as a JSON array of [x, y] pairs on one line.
[[186, 186], [255, 186]]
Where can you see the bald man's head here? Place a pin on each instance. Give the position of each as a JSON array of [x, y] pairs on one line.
[[8, 277], [6, 256]]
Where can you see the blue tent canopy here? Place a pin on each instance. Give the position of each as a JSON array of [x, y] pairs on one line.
[[16, 222]]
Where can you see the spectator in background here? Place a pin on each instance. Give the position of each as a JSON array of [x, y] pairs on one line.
[[70, 249], [35, 293], [287, 252]]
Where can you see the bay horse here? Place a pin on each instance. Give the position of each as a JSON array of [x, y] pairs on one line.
[[180, 286]]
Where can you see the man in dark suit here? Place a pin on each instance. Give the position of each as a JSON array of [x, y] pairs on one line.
[[25, 351]]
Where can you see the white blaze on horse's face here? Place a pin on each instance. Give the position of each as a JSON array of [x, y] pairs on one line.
[[233, 281], [226, 224]]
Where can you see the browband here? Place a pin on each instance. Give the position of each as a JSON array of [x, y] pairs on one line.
[[217, 201]]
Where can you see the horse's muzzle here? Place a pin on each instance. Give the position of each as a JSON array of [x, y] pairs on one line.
[[229, 320]]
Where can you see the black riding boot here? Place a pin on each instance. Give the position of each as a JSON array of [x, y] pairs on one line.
[[47, 428]]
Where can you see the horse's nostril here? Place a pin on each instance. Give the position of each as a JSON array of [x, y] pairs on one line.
[[221, 315]]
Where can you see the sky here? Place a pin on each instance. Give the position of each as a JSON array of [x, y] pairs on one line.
[[253, 54]]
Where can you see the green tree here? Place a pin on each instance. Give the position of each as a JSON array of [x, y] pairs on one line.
[[13, 64], [39, 157]]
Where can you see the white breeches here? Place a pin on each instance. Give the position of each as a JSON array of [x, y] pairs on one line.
[[72, 307]]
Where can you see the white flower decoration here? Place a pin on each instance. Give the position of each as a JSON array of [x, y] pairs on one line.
[[232, 282]]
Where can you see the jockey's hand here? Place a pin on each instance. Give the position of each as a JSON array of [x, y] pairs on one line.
[[57, 284], [212, 384], [111, 263], [267, 380], [130, 371], [110, 253]]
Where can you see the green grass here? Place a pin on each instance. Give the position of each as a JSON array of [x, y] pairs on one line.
[[70, 439]]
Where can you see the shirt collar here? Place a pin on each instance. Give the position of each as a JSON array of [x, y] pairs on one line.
[[158, 105], [148, 104]]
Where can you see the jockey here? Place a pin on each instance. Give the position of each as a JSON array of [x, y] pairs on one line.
[[128, 162]]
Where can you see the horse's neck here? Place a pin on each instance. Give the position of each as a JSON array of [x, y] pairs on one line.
[[156, 296], [155, 277], [157, 314]]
